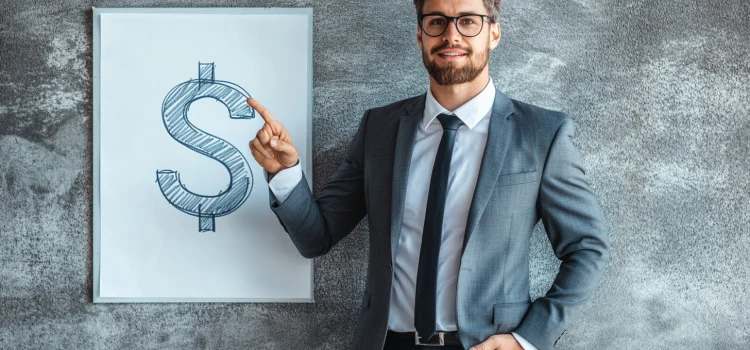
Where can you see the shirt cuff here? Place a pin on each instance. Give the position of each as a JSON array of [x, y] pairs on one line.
[[524, 343], [283, 182]]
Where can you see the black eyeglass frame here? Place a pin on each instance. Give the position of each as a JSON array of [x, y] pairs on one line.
[[421, 16]]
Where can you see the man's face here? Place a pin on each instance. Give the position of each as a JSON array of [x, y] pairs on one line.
[[452, 58]]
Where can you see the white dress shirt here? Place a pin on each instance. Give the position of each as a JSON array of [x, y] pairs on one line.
[[471, 138]]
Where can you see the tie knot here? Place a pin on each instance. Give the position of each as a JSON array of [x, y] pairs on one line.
[[449, 121]]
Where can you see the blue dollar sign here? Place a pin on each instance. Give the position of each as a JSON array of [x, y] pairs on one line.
[[174, 113]]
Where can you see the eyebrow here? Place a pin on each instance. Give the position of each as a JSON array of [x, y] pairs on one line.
[[443, 14]]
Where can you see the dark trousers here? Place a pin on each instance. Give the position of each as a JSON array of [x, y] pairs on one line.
[[407, 344]]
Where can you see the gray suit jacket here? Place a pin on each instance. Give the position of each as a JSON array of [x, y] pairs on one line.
[[530, 169]]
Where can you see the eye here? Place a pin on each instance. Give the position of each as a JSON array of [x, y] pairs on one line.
[[467, 21], [437, 21]]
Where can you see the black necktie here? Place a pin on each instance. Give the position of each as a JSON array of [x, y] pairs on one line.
[[426, 294]]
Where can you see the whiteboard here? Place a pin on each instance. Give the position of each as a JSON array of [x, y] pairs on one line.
[[181, 208]]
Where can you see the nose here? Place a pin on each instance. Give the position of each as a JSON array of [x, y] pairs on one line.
[[451, 32]]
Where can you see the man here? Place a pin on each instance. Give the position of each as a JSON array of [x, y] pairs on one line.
[[453, 182]]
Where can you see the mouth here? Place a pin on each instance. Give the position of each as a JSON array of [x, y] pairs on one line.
[[451, 54]]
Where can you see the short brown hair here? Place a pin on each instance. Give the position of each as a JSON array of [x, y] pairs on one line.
[[492, 6]]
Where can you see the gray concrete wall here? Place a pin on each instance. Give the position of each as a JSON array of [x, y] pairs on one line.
[[658, 90]]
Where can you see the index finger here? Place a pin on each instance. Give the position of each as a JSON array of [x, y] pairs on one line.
[[265, 114]]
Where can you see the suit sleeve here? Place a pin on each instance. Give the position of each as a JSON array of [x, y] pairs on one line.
[[575, 226], [524, 343], [283, 182], [315, 225]]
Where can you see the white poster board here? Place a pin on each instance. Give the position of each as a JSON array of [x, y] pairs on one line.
[[181, 208]]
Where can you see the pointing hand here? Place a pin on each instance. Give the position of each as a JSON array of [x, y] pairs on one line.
[[272, 146]]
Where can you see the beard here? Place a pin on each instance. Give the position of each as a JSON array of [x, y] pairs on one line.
[[450, 74]]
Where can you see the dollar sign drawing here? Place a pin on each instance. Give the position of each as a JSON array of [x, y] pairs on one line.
[[174, 113]]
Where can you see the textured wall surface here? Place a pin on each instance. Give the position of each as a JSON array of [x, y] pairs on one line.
[[658, 90]]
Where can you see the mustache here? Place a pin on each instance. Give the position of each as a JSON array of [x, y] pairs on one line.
[[448, 46]]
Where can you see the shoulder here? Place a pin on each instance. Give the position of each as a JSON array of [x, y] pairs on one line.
[[546, 123], [541, 117], [398, 106]]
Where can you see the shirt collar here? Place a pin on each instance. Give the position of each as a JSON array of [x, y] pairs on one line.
[[470, 112]]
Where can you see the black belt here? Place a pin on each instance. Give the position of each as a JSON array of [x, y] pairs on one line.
[[439, 339]]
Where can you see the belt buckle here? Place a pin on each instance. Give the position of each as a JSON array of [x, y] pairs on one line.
[[441, 340]]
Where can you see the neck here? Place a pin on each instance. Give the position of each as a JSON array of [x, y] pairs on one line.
[[453, 96]]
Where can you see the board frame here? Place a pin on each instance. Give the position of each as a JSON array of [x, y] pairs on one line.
[[307, 166]]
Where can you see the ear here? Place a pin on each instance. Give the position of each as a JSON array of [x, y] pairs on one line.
[[495, 34], [419, 38]]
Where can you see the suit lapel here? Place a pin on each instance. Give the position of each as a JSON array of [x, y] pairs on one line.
[[498, 138], [407, 132]]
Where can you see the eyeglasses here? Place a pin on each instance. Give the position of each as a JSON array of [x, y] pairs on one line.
[[467, 25]]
